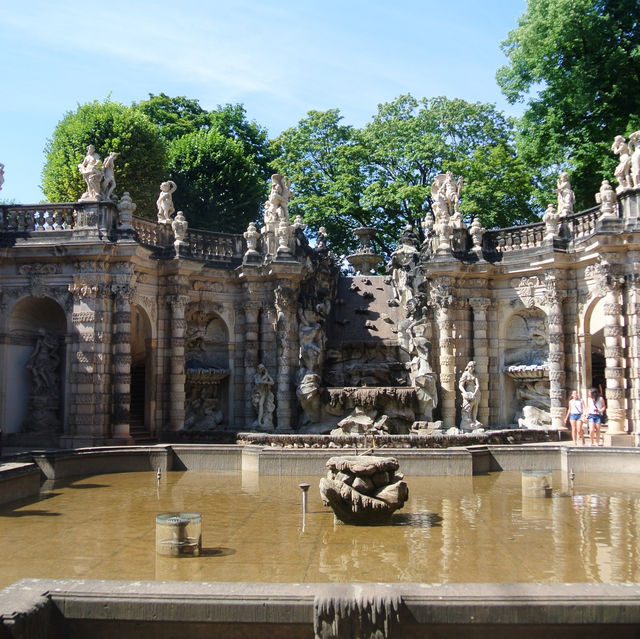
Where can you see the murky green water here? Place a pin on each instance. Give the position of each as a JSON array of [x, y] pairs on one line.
[[452, 529]]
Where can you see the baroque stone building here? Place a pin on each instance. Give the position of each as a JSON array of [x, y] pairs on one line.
[[116, 328]]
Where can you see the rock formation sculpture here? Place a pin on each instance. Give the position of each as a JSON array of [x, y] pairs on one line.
[[263, 399], [165, 202], [469, 386], [363, 489]]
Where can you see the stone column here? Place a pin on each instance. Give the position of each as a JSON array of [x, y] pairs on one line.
[[554, 299], [251, 354], [122, 361], [178, 304], [479, 306], [284, 325], [633, 353], [614, 362], [442, 298]]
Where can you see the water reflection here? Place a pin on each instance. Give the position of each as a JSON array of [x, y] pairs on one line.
[[452, 529]]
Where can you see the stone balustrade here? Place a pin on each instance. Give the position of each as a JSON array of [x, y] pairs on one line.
[[36, 217]]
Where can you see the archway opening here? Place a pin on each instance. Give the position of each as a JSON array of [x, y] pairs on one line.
[[33, 412], [139, 410]]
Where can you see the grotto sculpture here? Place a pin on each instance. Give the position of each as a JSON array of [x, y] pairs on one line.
[[263, 399], [469, 386], [363, 489], [44, 397]]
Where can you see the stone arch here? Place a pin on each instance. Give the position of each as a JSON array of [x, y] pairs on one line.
[[142, 391], [34, 365], [592, 344]]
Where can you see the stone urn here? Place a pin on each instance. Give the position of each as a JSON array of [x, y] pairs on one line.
[[363, 490]]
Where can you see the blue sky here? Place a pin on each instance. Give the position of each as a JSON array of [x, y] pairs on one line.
[[280, 59]]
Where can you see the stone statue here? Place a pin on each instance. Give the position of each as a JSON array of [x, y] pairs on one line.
[[321, 239], [1, 175], [403, 259], [44, 397], [607, 200], [623, 170], [363, 490], [179, 226], [551, 219], [470, 390], [445, 195], [108, 178], [263, 400], [566, 196], [634, 148], [202, 410], [165, 201], [312, 341], [279, 198], [92, 174]]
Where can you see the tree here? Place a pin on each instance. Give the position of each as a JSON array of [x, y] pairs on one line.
[[381, 175], [578, 63], [220, 185], [219, 160], [109, 126]]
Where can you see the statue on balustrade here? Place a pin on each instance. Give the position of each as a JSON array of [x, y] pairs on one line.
[[108, 177], [263, 399], [165, 202], [623, 170], [1, 175], [92, 174], [566, 196], [634, 148], [470, 390]]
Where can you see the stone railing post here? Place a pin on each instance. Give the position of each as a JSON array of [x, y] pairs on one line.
[[479, 306], [178, 304]]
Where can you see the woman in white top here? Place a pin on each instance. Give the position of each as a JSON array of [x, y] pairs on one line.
[[596, 407], [574, 415]]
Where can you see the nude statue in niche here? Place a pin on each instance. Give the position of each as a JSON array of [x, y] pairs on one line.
[[263, 400], [470, 390]]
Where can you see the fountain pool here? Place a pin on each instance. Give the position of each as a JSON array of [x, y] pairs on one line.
[[451, 530]]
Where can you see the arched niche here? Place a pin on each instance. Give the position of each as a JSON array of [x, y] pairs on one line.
[[34, 369], [526, 355], [142, 395], [207, 370]]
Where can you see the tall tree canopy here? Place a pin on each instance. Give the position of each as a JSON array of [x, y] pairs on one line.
[[109, 126], [219, 159], [578, 63], [381, 175]]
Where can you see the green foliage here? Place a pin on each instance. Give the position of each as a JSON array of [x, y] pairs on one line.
[[381, 175], [578, 63], [174, 117], [220, 185], [109, 126]]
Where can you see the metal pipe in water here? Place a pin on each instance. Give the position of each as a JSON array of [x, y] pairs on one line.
[[304, 488]]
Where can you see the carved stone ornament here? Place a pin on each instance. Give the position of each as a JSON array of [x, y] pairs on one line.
[[607, 200]]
